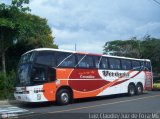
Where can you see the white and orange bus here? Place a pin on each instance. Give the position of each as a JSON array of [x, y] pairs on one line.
[[47, 74]]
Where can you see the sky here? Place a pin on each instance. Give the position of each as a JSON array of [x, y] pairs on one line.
[[91, 23]]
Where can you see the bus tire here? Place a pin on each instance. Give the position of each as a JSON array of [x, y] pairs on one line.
[[139, 89], [131, 90], [63, 97]]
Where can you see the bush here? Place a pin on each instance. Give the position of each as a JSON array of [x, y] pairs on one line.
[[7, 84]]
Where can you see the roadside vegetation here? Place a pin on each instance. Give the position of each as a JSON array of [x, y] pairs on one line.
[[7, 83], [20, 31], [156, 85]]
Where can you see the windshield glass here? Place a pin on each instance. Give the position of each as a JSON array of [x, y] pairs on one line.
[[33, 74], [28, 57], [36, 68], [23, 74]]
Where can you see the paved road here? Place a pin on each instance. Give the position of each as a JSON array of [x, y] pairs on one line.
[[93, 108]]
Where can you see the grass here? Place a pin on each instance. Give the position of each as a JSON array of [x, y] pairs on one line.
[[156, 86]]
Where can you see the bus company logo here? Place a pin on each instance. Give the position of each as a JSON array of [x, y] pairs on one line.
[[115, 74]]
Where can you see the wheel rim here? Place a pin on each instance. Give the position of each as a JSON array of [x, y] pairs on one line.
[[139, 89], [132, 91], [64, 97]]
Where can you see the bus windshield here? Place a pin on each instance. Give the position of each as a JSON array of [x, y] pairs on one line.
[[23, 74], [36, 68], [28, 57]]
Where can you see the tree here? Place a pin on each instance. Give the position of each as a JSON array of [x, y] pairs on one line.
[[146, 48], [37, 34], [127, 48], [9, 25], [151, 50], [19, 27]]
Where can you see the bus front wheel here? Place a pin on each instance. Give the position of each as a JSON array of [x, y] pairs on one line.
[[63, 97]]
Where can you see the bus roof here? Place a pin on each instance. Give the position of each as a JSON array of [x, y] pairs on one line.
[[61, 50]]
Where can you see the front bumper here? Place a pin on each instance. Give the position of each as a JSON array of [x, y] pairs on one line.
[[30, 94]]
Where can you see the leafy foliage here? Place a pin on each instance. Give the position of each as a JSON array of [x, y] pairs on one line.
[[128, 48], [20, 31], [151, 50], [7, 83], [148, 48], [19, 27]]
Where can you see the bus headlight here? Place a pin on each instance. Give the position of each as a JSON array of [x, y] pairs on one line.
[[57, 82]]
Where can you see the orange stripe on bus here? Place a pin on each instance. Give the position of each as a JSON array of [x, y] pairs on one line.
[[63, 73]]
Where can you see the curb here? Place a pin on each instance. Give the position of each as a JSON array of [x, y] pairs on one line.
[[8, 102]]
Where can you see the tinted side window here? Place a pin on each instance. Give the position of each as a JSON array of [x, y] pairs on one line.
[[126, 64], [86, 62], [114, 63], [46, 58], [136, 65], [142, 65], [97, 61], [104, 63], [79, 57], [148, 66], [39, 75], [65, 59], [42, 74]]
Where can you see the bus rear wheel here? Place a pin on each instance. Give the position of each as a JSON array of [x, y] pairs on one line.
[[131, 90], [139, 89], [63, 97]]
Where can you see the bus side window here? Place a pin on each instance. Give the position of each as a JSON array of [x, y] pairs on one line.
[[148, 66], [86, 62], [65, 59], [79, 59], [96, 61], [126, 64], [114, 63], [104, 63], [39, 74], [143, 65], [136, 65]]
